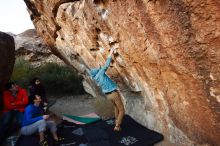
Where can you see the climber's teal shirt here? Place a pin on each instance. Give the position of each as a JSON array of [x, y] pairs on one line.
[[99, 75]]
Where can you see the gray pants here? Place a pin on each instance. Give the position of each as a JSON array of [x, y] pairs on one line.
[[39, 126]]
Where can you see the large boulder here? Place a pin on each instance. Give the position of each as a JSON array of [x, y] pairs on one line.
[[7, 59], [30, 47], [167, 65]]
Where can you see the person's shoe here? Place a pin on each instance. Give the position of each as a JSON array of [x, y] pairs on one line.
[[117, 128], [60, 139], [57, 142], [43, 143], [12, 140]]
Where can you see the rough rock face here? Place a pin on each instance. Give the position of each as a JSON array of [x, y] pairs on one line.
[[167, 65], [7, 58], [31, 47]]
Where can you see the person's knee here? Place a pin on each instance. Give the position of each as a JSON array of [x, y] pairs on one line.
[[121, 110], [52, 126], [52, 122], [41, 125], [41, 122]]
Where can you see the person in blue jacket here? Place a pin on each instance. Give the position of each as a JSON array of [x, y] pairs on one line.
[[110, 89], [34, 121]]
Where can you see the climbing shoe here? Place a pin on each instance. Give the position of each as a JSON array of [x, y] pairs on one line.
[[43, 143]]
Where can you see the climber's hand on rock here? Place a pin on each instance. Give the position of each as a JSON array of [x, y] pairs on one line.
[[113, 50]]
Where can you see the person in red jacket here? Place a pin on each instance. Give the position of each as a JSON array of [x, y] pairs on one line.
[[15, 100]]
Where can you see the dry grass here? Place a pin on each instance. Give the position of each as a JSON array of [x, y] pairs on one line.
[[103, 107]]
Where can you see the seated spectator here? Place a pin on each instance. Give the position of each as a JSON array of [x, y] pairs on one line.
[[34, 121], [15, 99], [37, 88]]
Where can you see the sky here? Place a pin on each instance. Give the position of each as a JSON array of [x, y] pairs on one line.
[[14, 16]]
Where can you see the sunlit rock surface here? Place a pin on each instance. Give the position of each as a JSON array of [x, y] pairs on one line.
[[167, 65], [7, 59]]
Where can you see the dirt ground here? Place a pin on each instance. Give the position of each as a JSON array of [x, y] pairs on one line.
[[82, 105], [74, 105]]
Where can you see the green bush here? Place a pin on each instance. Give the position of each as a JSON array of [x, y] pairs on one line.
[[57, 79], [21, 72]]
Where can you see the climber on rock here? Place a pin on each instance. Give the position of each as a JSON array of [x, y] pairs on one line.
[[110, 89]]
